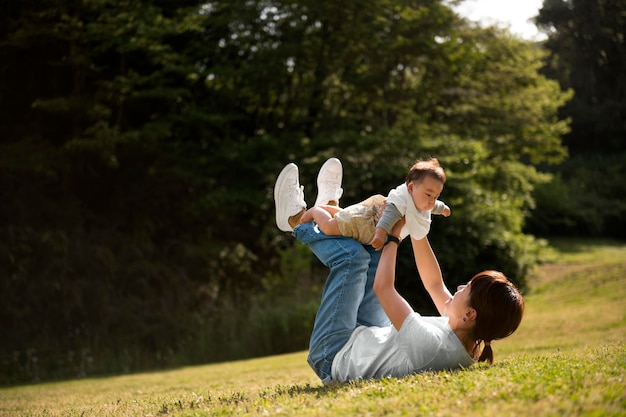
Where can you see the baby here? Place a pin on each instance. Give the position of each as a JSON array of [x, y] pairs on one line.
[[370, 221]]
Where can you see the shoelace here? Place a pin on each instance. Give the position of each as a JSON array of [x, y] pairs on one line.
[[301, 196]]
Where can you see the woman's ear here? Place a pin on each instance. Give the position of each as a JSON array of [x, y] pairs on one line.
[[470, 314]]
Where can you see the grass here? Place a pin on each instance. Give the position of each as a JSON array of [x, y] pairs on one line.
[[567, 358]]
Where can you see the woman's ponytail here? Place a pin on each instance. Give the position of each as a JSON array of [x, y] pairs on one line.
[[487, 354]]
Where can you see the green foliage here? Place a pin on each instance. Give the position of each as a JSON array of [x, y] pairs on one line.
[[142, 140], [585, 198], [587, 50], [586, 54]]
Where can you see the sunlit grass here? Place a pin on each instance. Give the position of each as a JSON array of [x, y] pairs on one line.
[[567, 358]]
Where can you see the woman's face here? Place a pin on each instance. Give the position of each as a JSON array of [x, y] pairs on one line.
[[459, 304], [425, 193]]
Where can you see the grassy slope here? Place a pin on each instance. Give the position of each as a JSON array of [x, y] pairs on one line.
[[567, 358]]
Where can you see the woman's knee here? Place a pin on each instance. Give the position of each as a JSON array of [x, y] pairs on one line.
[[331, 250]]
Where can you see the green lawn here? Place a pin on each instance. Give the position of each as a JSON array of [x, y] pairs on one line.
[[568, 358]]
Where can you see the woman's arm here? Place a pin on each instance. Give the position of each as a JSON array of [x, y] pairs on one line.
[[429, 271], [395, 306]]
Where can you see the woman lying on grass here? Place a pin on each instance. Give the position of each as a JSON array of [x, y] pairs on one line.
[[352, 337]]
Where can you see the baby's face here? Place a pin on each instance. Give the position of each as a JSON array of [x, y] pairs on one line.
[[425, 193]]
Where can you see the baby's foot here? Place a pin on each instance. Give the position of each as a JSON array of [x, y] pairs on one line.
[[306, 217]]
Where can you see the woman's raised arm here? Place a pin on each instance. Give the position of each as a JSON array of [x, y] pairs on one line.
[[430, 273], [395, 306]]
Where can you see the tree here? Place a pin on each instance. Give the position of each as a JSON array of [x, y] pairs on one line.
[[493, 123], [588, 55], [98, 247]]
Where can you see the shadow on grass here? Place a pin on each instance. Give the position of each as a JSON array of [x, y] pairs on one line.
[[316, 390], [334, 388]]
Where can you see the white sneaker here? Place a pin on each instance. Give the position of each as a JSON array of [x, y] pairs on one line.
[[288, 196], [329, 182]]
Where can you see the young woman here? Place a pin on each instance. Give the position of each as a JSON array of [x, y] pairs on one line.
[[365, 329]]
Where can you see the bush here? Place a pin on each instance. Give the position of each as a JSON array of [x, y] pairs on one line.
[[584, 198]]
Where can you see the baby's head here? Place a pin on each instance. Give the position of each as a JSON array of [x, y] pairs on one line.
[[425, 182], [423, 169]]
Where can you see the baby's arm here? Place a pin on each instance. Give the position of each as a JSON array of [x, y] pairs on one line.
[[441, 208], [390, 217]]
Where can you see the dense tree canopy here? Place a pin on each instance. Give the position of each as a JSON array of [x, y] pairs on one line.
[[588, 54], [142, 139]]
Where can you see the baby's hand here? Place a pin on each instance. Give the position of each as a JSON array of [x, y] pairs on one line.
[[378, 242], [379, 238], [446, 212]]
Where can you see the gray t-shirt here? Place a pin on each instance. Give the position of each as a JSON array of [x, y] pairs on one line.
[[421, 344]]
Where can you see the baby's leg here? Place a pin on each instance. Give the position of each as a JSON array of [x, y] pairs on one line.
[[324, 219], [331, 209]]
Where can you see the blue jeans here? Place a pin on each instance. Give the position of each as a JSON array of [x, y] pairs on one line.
[[348, 299]]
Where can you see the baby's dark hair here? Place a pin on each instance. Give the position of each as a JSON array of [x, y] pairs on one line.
[[422, 169], [499, 309]]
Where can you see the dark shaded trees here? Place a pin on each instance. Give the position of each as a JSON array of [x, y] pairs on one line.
[[587, 54]]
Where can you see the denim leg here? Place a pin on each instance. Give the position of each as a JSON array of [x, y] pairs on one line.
[[343, 292], [371, 313]]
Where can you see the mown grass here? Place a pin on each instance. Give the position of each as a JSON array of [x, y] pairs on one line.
[[567, 358]]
